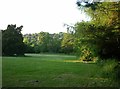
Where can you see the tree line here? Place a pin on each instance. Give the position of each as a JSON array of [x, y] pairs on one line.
[[99, 37], [45, 42], [15, 43]]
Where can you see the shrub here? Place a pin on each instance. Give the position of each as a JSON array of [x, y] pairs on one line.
[[87, 53], [110, 69], [117, 72]]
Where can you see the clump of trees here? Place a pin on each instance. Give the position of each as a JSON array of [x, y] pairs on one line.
[[100, 36], [12, 41], [45, 42]]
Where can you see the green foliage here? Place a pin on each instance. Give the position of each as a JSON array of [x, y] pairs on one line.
[[55, 42], [111, 69], [117, 72], [12, 41], [101, 37], [86, 54], [42, 41], [67, 44], [102, 33], [109, 44], [51, 43], [85, 41]]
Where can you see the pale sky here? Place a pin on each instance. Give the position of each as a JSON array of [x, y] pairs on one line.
[[39, 15]]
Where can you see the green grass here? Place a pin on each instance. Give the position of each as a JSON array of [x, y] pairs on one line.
[[44, 70]]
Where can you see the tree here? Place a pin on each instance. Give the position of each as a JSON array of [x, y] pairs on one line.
[[85, 40], [28, 47], [12, 41], [67, 44], [54, 44], [42, 41], [104, 28]]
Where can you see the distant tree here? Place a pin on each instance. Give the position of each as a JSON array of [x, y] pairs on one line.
[[51, 43], [28, 47], [42, 41], [54, 44], [12, 41], [67, 44]]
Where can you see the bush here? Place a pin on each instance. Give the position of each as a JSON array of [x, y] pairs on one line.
[[117, 72], [87, 53], [110, 69]]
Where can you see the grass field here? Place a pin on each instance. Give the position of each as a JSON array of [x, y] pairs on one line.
[[50, 70]]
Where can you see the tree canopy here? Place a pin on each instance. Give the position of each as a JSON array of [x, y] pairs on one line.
[[12, 41], [102, 33], [45, 42]]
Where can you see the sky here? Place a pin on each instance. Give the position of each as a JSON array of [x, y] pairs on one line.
[[40, 15]]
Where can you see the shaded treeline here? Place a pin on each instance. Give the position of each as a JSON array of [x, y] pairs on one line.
[[14, 43]]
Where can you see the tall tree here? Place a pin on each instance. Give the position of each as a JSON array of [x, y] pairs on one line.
[[12, 41], [104, 28]]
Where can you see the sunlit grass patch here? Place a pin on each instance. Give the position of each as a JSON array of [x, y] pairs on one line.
[[74, 61], [79, 61]]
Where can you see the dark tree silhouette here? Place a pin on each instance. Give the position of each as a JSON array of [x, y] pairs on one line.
[[12, 41]]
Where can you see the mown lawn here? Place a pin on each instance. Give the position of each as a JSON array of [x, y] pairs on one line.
[[45, 70]]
